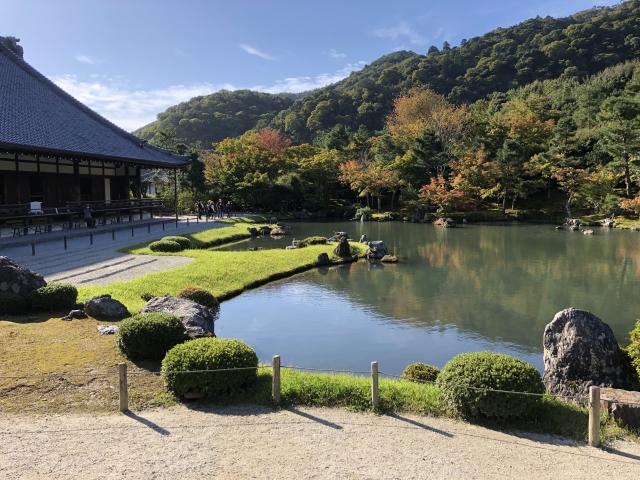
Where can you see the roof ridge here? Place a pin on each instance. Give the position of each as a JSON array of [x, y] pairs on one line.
[[77, 103]]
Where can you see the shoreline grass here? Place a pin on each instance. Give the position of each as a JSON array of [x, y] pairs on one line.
[[225, 274]]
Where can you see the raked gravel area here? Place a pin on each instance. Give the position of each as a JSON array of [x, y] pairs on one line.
[[257, 442], [99, 263]]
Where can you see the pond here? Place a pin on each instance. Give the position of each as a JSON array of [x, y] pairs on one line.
[[478, 287]]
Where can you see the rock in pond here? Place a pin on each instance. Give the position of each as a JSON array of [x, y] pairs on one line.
[[198, 320], [587, 232], [580, 350], [377, 250], [343, 249], [363, 239], [445, 222], [253, 231], [18, 280], [389, 259], [278, 231], [273, 220], [323, 258], [608, 223], [341, 234], [103, 307]]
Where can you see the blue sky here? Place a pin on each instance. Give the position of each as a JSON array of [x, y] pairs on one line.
[[130, 60]]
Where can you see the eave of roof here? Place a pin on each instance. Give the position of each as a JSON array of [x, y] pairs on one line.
[[104, 140]]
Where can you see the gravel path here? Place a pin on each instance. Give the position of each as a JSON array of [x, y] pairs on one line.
[[100, 263], [256, 442]]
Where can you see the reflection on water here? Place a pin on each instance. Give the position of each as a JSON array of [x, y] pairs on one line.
[[479, 287]]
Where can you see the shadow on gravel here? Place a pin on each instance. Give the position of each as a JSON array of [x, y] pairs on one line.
[[314, 418], [614, 451], [421, 425], [147, 423]]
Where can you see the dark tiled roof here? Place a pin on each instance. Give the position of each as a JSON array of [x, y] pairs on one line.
[[38, 116]]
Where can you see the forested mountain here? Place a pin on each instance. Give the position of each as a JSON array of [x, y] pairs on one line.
[[223, 114], [506, 58]]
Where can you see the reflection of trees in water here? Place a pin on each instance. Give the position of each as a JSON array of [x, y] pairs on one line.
[[503, 283]]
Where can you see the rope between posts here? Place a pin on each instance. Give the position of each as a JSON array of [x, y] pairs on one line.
[[325, 370], [60, 375], [199, 371], [482, 388]]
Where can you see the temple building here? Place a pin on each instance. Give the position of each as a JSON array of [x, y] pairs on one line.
[[58, 153]]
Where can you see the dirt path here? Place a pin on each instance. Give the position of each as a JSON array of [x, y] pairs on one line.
[[256, 442]]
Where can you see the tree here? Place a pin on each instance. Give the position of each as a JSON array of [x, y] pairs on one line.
[[165, 138], [510, 161], [620, 132], [571, 181], [437, 193], [475, 175]]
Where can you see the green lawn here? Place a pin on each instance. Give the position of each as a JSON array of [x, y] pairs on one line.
[[225, 274]]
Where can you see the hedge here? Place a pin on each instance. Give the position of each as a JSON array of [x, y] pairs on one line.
[[53, 297], [201, 296], [210, 354], [421, 371], [149, 335], [184, 242], [11, 304], [165, 246], [491, 371]]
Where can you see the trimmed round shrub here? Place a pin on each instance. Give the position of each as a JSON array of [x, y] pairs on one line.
[[201, 296], [149, 335], [52, 297], [492, 371], [165, 246], [11, 304], [421, 371], [210, 354], [315, 240], [184, 242]]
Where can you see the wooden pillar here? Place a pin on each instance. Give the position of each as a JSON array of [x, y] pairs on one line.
[[375, 395], [594, 416], [18, 179], [123, 387], [175, 190], [127, 181], [76, 181], [138, 183], [275, 387]]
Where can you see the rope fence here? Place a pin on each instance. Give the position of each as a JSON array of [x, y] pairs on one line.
[[593, 399]]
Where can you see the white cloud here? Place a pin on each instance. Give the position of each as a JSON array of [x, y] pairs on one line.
[[128, 108], [401, 30], [255, 51], [131, 108], [301, 84], [335, 54], [87, 59]]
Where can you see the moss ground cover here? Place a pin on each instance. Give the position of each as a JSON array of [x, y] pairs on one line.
[[49, 346]]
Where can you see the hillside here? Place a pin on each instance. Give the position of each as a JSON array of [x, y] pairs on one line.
[[223, 114], [538, 49], [506, 58]]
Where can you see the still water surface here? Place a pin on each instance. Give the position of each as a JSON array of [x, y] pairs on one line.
[[480, 287]]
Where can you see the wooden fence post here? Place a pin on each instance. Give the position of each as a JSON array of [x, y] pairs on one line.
[[124, 393], [594, 416], [374, 384], [275, 389]]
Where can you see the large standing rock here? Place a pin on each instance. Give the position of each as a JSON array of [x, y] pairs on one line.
[[253, 231], [343, 249], [580, 350], [377, 249], [105, 308], [19, 280], [198, 320]]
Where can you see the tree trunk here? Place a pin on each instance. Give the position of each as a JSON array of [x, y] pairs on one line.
[[513, 203], [379, 202], [504, 203], [393, 197], [549, 188], [567, 206], [475, 205], [627, 179]]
